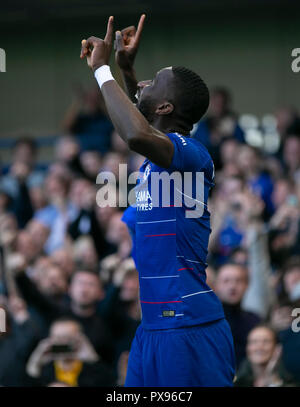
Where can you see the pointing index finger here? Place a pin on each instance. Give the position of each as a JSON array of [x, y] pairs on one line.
[[119, 43], [140, 29], [110, 29]]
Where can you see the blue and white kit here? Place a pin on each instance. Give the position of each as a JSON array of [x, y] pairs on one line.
[[183, 339]]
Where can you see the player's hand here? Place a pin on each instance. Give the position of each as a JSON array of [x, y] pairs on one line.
[[96, 50], [127, 43]]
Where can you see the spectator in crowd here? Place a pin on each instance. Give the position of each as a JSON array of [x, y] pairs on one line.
[[87, 119], [123, 311], [291, 279], [219, 124], [231, 211], [284, 231], [285, 319], [39, 233], [281, 316], [53, 282], [230, 286], [25, 152], [67, 155], [229, 151], [291, 156], [118, 236], [122, 368], [250, 166], [8, 230], [263, 367], [22, 175], [17, 343], [68, 357], [287, 122], [85, 292], [85, 253], [64, 259], [77, 275], [91, 163], [83, 198], [37, 197], [25, 245], [59, 212], [283, 189]]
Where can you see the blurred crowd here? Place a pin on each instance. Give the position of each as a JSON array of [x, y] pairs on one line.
[[68, 283]]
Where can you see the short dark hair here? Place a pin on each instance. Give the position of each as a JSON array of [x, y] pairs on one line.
[[27, 140], [232, 263], [291, 264], [86, 270], [194, 94], [268, 327]]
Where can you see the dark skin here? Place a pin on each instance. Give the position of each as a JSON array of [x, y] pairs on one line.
[[126, 47], [144, 133]]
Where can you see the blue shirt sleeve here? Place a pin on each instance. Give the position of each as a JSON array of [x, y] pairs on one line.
[[189, 155]]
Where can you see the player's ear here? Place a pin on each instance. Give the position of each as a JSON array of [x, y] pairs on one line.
[[164, 108]]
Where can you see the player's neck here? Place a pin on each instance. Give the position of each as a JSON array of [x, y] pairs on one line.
[[166, 126]]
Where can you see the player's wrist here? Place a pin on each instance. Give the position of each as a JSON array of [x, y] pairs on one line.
[[103, 75], [97, 64], [126, 65], [129, 71], [95, 67]]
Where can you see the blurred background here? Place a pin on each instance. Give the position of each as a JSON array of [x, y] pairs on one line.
[[68, 283], [243, 44]]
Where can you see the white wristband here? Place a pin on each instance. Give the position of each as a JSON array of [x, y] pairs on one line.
[[103, 75]]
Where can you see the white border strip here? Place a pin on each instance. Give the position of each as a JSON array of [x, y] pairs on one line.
[[193, 199], [161, 276], [199, 292], [157, 221]]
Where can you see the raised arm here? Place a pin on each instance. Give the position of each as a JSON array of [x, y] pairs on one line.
[[126, 47], [131, 125]]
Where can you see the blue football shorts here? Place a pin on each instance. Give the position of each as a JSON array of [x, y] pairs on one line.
[[201, 355]]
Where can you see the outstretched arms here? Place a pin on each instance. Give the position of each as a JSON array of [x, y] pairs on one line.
[[131, 125]]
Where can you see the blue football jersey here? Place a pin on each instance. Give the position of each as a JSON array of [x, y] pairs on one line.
[[170, 238]]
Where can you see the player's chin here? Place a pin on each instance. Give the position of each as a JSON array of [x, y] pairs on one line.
[[145, 108]]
